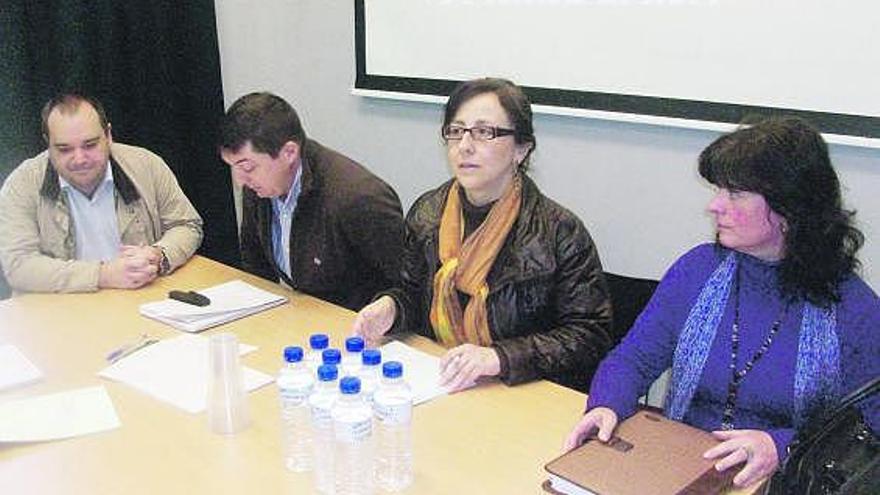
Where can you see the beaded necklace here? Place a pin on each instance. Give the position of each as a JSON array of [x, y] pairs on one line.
[[737, 376]]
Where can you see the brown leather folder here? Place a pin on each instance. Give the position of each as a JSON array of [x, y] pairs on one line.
[[649, 454]]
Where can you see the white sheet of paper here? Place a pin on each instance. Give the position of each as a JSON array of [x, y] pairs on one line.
[[229, 301], [15, 368], [61, 415], [420, 369], [176, 371]]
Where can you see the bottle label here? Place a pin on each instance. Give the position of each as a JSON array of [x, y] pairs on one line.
[[321, 415], [294, 386], [393, 414], [296, 395], [353, 431]]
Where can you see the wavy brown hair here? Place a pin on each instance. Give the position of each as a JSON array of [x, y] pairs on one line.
[[786, 161]]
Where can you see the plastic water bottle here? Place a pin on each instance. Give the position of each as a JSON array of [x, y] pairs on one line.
[[317, 343], [352, 428], [351, 360], [321, 402], [392, 404], [370, 373], [331, 356], [295, 385]]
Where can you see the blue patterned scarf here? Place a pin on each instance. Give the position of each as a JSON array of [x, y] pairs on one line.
[[817, 374]]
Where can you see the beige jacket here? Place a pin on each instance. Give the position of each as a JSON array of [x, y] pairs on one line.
[[37, 240]]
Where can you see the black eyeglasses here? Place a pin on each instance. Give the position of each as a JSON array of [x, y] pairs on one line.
[[478, 132]]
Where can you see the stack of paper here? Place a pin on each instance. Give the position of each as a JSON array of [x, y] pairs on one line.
[[55, 416], [229, 301], [420, 370], [15, 368], [176, 371]]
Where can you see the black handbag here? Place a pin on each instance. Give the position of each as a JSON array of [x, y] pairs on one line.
[[841, 456]]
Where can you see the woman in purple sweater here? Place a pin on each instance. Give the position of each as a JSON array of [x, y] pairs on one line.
[[766, 328]]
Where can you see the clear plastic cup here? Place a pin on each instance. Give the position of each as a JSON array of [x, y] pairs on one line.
[[227, 399]]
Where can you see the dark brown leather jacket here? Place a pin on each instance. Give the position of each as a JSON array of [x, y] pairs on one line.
[[346, 235], [548, 307]]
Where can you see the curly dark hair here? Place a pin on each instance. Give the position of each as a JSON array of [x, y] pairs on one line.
[[514, 102], [785, 160]]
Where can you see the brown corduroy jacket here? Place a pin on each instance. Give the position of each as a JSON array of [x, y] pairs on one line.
[[346, 234]]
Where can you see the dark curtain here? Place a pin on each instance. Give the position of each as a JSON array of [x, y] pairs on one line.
[[153, 64]]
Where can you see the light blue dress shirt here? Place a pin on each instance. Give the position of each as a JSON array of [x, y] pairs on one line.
[[94, 220], [282, 220]]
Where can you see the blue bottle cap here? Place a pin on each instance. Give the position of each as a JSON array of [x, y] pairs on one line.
[[327, 372], [319, 341], [371, 357], [354, 344], [331, 356], [350, 385], [392, 369], [293, 354]]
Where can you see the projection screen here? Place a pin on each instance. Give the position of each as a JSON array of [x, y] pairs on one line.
[[691, 63]]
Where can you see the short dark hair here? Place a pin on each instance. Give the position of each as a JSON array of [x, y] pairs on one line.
[[68, 103], [786, 161], [263, 119], [513, 100]]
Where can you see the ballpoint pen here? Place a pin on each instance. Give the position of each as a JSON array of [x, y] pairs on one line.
[[127, 349]]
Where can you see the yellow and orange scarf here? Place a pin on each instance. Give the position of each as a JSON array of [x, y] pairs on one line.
[[465, 266]]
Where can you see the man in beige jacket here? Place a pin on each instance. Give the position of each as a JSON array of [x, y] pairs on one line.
[[89, 213]]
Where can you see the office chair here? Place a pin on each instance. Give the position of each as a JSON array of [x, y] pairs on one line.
[[628, 298]]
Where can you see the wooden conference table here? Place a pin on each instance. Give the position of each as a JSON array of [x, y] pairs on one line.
[[494, 439]]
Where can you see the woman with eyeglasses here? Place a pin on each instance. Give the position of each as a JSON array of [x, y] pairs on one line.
[[507, 279], [764, 329]]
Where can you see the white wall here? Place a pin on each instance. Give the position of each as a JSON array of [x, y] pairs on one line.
[[635, 186]]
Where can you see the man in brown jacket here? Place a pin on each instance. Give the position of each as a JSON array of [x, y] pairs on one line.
[[311, 217], [89, 213]]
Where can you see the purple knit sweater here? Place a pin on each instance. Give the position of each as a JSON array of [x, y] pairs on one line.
[[766, 395]]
